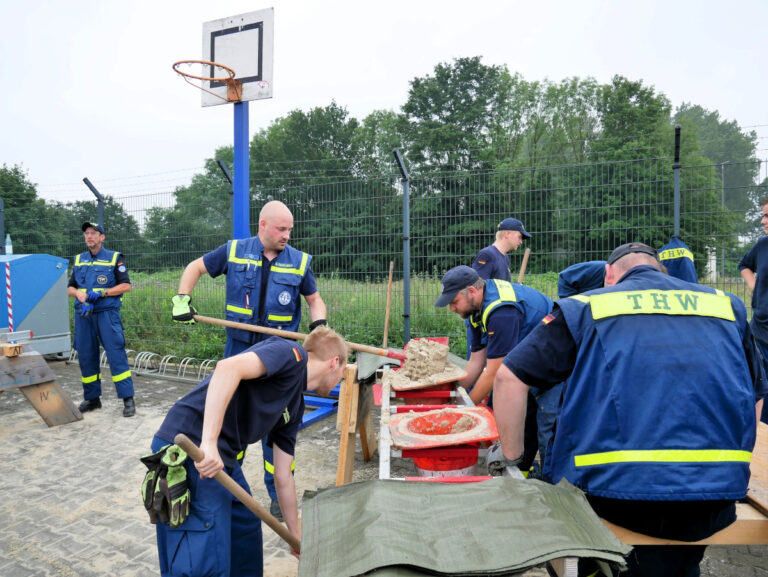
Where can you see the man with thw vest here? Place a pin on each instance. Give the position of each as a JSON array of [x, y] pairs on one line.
[[658, 418], [500, 314], [99, 280], [265, 277]]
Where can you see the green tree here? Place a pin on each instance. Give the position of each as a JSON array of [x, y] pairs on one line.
[[723, 143], [199, 221]]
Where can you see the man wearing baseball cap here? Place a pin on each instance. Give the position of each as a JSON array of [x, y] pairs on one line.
[[500, 314], [99, 279], [493, 260], [657, 422]]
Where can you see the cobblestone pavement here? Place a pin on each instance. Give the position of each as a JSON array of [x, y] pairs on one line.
[[69, 495]]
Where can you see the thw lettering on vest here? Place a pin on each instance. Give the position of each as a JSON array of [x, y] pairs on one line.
[[666, 302]]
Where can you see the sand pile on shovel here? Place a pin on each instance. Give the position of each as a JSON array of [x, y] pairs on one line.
[[426, 364]]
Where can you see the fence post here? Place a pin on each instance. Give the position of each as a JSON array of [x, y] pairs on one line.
[[406, 248], [2, 222], [228, 176], [676, 168], [99, 199]]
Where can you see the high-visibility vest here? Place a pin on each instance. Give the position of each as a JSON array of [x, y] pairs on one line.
[[282, 307], [660, 404]]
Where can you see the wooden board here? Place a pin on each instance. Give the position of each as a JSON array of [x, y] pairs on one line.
[[757, 495], [348, 396], [52, 403], [750, 528]]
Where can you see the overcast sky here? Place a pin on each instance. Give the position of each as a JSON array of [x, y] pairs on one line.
[[87, 88]]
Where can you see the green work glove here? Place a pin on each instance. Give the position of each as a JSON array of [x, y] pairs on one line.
[[182, 311], [172, 495], [153, 462]]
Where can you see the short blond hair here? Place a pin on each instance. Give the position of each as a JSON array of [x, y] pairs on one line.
[[325, 343]]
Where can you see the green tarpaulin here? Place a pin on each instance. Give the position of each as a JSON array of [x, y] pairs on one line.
[[411, 528]]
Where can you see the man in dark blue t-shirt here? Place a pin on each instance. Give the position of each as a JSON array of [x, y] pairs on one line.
[[255, 395], [493, 261], [754, 269], [500, 314]]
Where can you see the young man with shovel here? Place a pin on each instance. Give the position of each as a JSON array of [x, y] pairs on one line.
[[255, 395]]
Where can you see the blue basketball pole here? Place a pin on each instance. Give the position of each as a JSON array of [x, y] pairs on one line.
[[241, 225]]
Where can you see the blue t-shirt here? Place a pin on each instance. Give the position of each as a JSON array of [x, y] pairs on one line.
[[503, 332], [216, 263], [756, 260], [271, 406], [490, 263]]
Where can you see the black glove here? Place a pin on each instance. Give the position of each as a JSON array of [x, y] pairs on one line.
[[182, 311], [318, 323], [498, 463]]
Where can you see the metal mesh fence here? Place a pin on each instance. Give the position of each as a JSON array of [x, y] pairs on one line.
[[354, 229]]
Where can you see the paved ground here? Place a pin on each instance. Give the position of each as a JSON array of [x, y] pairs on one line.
[[69, 495]]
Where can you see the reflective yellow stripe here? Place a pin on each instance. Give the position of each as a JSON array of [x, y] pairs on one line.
[[98, 290], [97, 262], [284, 318], [663, 456], [580, 298], [240, 310], [506, 294], [288, 269], [270, 468], [121, 376], [241, 454], [276, 267], [675, 253], [233, 258], [660, 302], [91, 379]]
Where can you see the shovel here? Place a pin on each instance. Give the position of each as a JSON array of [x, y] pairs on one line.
[[230, 485], [295, 336]]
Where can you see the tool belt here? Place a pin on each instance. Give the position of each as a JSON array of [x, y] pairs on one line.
[[165, 491]]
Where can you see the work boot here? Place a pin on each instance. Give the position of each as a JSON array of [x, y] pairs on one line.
[[274, 509], [90, 405], [129, 408]]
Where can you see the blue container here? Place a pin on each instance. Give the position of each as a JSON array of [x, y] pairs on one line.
[[38, 299]]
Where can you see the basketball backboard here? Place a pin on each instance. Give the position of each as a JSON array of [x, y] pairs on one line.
[[244, 43]]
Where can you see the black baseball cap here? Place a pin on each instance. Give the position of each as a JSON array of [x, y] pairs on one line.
[[513, 224], [455, 280], [629, 248], [94, 226]]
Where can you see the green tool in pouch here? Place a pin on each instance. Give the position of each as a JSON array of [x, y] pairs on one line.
[[165, 491]]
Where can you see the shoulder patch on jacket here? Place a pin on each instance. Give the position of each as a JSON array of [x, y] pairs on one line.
[[296, 354]]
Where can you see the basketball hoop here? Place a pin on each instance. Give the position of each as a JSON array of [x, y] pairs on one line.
[[218, 73]]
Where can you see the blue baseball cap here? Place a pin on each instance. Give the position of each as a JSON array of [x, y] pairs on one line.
[[97, 227], [455, 280], [513, 224]]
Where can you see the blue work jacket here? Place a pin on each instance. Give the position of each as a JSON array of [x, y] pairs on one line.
[[282, 307], [678, 258], [660, 404], [97, 273]]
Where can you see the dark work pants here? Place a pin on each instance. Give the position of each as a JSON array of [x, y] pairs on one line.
[[678, 520]]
